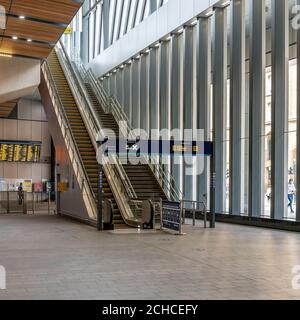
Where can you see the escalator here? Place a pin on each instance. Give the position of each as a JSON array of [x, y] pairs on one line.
[[81, 136], [141, 177]]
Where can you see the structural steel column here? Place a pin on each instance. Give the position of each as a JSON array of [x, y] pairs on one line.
[[164, 86], [154, 89], [237, 108], [106, 35], [280, 92], [113, 85], [120, 88], [135, 119], [298, 126], [257, 107], [127, 90], [153, 6], [164, 96], [204, 97], [219, 108], [85, 35], [176, 113], [188, 101], [144, 96]]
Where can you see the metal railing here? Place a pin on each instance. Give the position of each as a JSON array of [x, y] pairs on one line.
[[119, 181], [26, 203], [76, 160], [112, 105], [196, 207]]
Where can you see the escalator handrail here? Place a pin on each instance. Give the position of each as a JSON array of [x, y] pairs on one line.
[[95, 119]]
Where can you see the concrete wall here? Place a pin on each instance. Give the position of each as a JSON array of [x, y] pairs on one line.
[[31, 125], [19, 77]]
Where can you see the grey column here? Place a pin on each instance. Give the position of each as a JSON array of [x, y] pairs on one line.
[[136, 94], [280, 64], [257, 107], [219, 108], [164, 96], [127, 91], [113, 87], [85, 35], [204, 97], [154, 88], [120, 88], [106, 35], [237, 108], [188, 101], [144, 96], [153, 6], [298, 125], [176, 92], [164, 85]]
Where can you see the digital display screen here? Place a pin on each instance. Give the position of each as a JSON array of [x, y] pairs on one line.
[[20, 151]]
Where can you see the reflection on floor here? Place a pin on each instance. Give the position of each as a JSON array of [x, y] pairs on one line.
[[47, 257]]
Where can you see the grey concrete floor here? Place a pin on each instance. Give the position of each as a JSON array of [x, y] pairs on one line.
[[47, 257]]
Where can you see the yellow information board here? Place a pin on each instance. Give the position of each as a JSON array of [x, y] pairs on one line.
[[14, 151]]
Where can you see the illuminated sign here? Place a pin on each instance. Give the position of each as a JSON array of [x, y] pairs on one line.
[[20, 151], [68, 31]]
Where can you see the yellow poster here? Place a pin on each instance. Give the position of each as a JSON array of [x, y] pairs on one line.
[[27, 186]]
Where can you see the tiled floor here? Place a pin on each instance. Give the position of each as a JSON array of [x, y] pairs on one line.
[[53, 258]]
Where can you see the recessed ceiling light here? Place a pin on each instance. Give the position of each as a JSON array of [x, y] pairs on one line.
[[7, 55], [29, 40], [15, 38], [22, 17]]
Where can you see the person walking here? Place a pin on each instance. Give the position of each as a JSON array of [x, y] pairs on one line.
[[291, 194], [20, 194]]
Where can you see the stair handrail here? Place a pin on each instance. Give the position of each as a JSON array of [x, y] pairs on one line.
[[116, 170], [93, 116], [164, 177], [74, 148]]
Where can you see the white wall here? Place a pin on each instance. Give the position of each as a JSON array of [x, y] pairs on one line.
[[163, 21], [31, 125]]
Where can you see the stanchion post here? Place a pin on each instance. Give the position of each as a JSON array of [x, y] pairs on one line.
[[8, 208], [212, 216], [49, 202], [32, 202], [194, 213], [100, 199]]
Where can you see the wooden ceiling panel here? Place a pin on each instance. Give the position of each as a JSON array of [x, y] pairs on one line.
[[7, 107], [5, 4], [44, 23], [61, 11], [32, 30], [22, 48]]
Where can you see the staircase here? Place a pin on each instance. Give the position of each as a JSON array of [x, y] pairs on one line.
[[81, 136], [141, 177]]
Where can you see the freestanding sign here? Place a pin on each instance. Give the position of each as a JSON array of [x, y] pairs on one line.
[[171, 216]]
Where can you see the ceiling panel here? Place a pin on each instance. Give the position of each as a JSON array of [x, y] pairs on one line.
[[22, 48], [57, 11], [43, 23], [6, 108], [32, 30]]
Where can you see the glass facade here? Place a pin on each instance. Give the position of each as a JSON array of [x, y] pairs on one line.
[[165, 76]]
